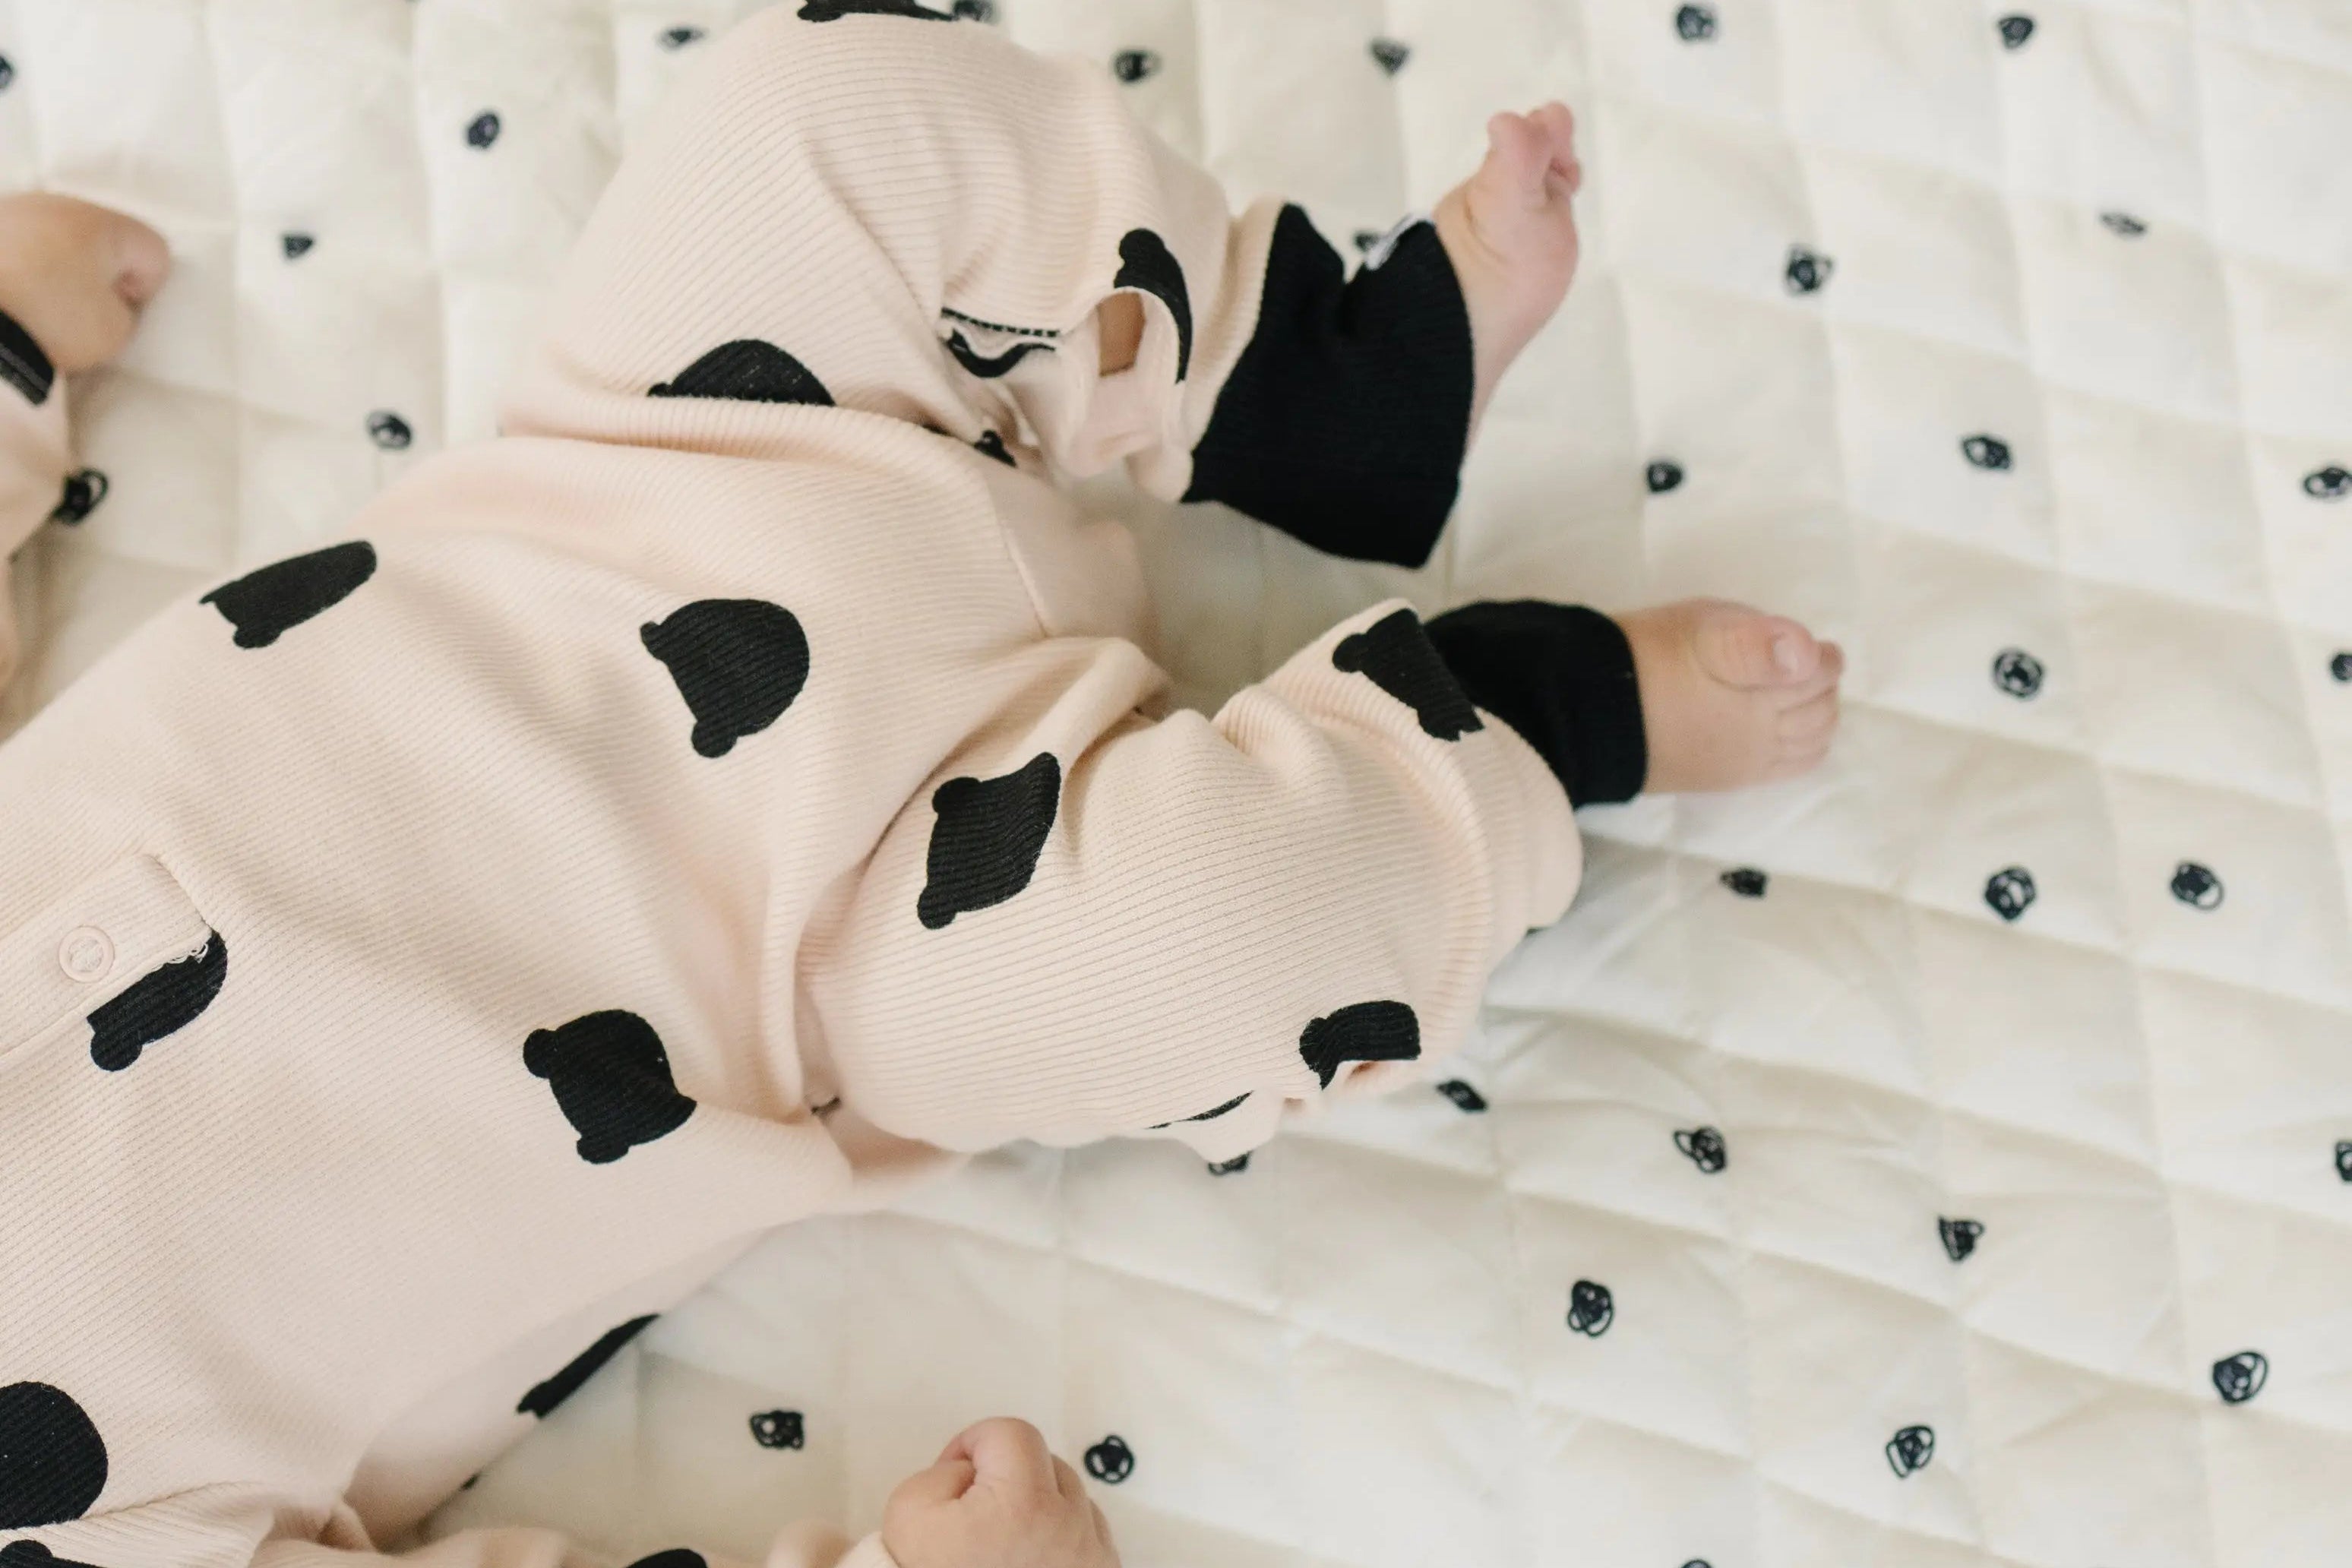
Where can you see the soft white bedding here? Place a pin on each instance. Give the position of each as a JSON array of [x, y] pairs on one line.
[[2056, 443]]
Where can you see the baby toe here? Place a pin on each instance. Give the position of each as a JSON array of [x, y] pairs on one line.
[[1751, 649]]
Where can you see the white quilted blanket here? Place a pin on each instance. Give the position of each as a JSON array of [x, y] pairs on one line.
[[1944, 1160]]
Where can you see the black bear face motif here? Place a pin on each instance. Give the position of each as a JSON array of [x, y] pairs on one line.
[[2240, 1377], [1959, 1236], [992, 444], [1464, 1098], [1806, 270], [33, 1555], [1986, 451], [675, 1557], [778, 1429], [161, 1002], [52, 1460], [1662, 476], [2017, 672], [1746, 880], [1390, 54], [2343, 1159], [738, 663], [389, 430], [2015, 30], [679, 37], [612, 1080], [985, 844], [482, 132], [2330, 483], [1110, 1460], [2011, 892], [834, 10], [265, 605], [1145, 262], [2196, 885], [1910, 1450], [747, 371], [988, 369], [1695, 24], [297, 246], [82, 493], [545, 1397], [1232, 1167], [2123, 224], [2340, 666], [1590, 1309], [1133, 65], [1703, 1147], [1396, 653], [1364, 1032]]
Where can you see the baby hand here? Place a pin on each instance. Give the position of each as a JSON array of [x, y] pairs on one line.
[[997, 1499]]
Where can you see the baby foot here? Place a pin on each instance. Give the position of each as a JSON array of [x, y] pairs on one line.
[[1730, 695], [1511, 236], [76, 275]]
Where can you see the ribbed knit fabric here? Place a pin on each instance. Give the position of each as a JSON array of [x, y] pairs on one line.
[[33, 462], [708, 806]]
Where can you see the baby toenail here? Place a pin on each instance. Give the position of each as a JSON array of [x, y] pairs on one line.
[[1788, 655]]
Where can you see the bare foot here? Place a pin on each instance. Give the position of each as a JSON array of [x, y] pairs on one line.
[[76, 275], [1511, 236], [1731, 696]]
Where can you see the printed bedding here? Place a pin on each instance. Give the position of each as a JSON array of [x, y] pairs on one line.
[[1944, 1160]]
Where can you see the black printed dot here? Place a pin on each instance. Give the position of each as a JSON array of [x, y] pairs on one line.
[[2240, 1377], [545, 1397], [679, 37], [675, 1557], [1463, 1095], [611, 1078], [1133, 65], [2343, 1159], [1662, 476], [834, 10], [1959, 1236], [1695, 24], [83, 492], [778, 1429], [1145, 262], [1395, 653], [2123, 224], [1232, 1167], [1367, 237], [738, 663], [2017, 672], [296, 244], [1909, 1450], [1390, 54], [161, 1001], [267, 603], [389, 430], [989, 832], [1590, 1309], [992, 444], [976, 10], [2340, 666], [1807, 271], [1746, 880], [1698, 1562], [484, 130], [52, 1460], [747, 371], [2011, 892], [2015, 30], [8, 73], [1364, 1032], [2330, 483], [1986, 451], [1110, 1460], [1703, 1147], [2196, 885]]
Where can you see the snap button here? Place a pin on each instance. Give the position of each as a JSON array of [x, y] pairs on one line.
[[87, 953]]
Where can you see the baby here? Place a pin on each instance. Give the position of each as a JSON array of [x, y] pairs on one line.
[[738, 791]]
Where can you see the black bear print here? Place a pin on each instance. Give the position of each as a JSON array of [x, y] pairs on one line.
[[1662, 476], [679, 37], [1807, 271], [834, 10], [675, 1557], [1209, 1115], [33, 1555], [1395, 652], [1703, 1147], [2015, 30], [1746, 880], [161, 1001], [747, 371], [738, 663], [1145, 262], [988, 369], [1110, 1460], [389, 430], [2011, 892], [545, 1397], [2196, 885], [2017, 672], [2343, 1159], [1364, 1032], [1464, 1098], [985, 844], [1590, 1309], [52, 1460], [267, 603], [992, 444], [2340, 666], [1909, 1450], [82, 493], [2123, 224], [611, 1081], [483, 131], [1695, 24], [1133, 65], [1390, 54], [1986, 451], [2237, 1378], [1959, 1236], [296, 245], [780, 1430], [1232, 1167], [2330, 483]]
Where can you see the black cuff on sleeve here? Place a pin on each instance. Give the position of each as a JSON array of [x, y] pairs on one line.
[[1561, 675], [1345, 421], [23, 365]]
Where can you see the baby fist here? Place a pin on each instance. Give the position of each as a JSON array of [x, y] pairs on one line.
[[996, 1498]]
